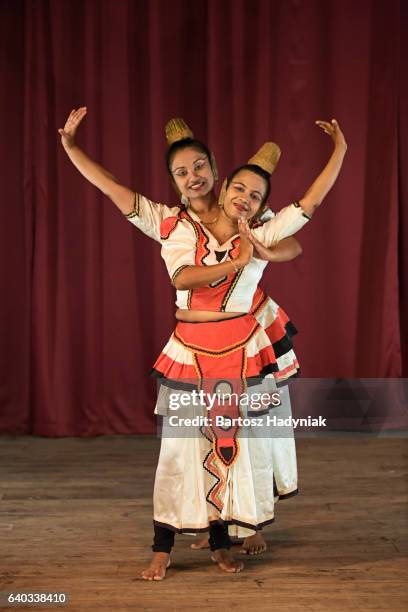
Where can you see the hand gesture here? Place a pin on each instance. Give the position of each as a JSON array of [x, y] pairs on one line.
[[246, 248], [260, 251], [334, 131], [69, 130]]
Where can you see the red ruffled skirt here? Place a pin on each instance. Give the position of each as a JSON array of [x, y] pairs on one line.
[[280, 331]]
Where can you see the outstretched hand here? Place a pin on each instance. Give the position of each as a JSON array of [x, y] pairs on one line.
[[69, 130], [334, 131]]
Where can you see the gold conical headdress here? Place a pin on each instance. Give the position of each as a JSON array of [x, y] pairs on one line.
[[267, 157], [177, 129]]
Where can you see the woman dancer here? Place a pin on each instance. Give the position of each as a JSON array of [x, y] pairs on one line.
[[193, 172], [214, 476]]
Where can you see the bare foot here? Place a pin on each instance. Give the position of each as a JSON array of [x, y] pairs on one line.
[[157, 567], [253, 545], [226, 561], [203, 543]]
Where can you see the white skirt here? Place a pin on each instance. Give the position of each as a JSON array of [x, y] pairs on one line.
[[193, 488], [190, 492]]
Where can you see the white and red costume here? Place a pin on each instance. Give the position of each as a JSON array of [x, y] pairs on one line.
[[198, 479]]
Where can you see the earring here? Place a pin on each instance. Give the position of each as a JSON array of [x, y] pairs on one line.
[[223, 192], [214, 167], [184, 200]]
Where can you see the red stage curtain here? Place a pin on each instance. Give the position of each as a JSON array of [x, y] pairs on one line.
[[86, 304]]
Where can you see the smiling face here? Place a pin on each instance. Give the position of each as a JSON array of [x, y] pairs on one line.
[[245, 194], [191, 171]]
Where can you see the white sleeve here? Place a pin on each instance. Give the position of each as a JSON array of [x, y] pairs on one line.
[[147, 215], [286, 222], [179, 244]]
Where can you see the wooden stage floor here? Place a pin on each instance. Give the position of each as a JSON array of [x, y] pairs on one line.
[[76, 517]]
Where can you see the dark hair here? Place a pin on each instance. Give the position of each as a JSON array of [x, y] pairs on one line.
[[260, 172], [186, 143]]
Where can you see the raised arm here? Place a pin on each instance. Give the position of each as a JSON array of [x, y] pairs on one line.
[[139, 210], [120, 195], [291, 219], [326, 179]]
